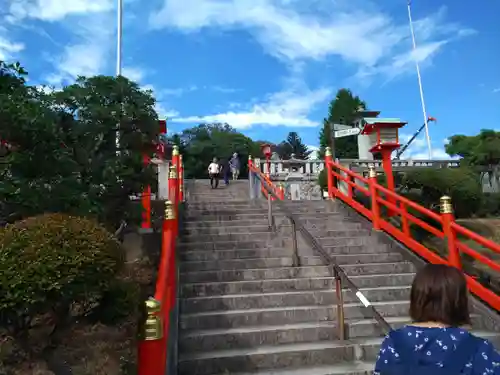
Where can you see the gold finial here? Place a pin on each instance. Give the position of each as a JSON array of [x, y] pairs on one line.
[[180, 158], [249, 157], [175, 151], [173, 172], [446, 206], [372, 172], [328, 151], [281, 187], [169, 210], [153, 326]]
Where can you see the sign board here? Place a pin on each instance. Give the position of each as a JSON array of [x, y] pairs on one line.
[[347, 132]]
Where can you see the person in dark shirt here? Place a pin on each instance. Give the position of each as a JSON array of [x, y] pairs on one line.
[[225, 170]]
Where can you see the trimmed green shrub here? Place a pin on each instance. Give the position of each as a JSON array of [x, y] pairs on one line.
[[51, 263], [323, 180], [461, 184]]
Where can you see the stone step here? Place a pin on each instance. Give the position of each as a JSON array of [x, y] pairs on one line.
[[230, 216], [297, 284], [242, 203], [299, 209], [256, 243], [347, 241], [225, 229], [266, 358], [292, 272], [337, 232], [224, 209], [241, 253], [248, 337], [267, 234], [275, 262], [207, 225], [215, 255], [327, 224], [289, 298], [286, 315], [288, 357], [348, 368], [356, 249], [327, 237]]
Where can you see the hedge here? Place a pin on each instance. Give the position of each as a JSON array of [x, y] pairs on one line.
[[52, 262]]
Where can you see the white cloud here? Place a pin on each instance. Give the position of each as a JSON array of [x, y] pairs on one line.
[[358, 33], [496, 90], [9, 49], [288, 108], [134, 74], [56, 10], [314, 154], [418, 149], [90, 24]]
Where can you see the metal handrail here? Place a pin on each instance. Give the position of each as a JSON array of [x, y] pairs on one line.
[[338, 272]]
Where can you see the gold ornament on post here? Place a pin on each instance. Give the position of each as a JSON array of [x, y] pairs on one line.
[[169, 210], [445, 205], [328, 151], [153, 326], [173, 172], [175, 150]]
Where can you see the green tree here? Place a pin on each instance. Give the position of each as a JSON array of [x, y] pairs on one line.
[[65, 157], [481, 150], [342, 110], [293, 145], [206, 141]]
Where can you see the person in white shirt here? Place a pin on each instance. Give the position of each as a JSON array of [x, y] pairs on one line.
[[213, 173]]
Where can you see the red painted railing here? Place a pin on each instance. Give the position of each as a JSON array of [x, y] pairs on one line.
[[343, 184], [278, 189], [153, 343]]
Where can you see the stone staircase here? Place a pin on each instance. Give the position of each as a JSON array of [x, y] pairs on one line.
[[246, 310]]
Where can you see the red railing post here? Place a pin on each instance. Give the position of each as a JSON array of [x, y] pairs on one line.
[[170, 228], [328, 167], [446, 209], [176, 163], [146, 201], [173, 190], [372, 184], [152, 348], [389, 177]]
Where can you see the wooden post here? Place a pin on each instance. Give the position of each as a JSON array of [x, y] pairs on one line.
[[446, 209]]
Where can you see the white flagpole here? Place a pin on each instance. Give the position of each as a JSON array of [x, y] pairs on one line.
[[119, 38], [427, 136], [119, 56]]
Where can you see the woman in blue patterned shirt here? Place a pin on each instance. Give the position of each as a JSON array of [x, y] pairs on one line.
[[435, 343]]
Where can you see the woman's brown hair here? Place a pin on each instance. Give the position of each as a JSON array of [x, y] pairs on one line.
[[439, 294]]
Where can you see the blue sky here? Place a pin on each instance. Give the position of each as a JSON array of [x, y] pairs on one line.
[[268, 67]]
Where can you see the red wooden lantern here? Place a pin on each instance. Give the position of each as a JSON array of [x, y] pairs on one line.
[[266, 150]]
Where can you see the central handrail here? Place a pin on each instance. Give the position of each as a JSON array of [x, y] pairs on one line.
[[337, 270]]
